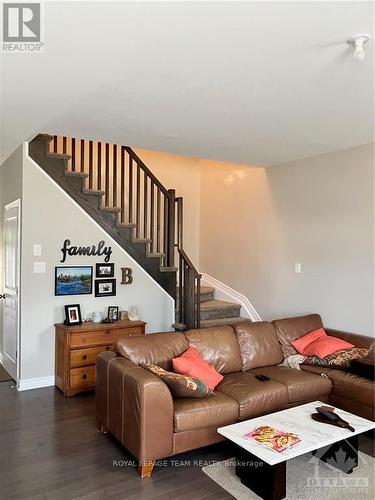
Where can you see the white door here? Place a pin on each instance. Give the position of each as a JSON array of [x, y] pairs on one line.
[[10, 294]]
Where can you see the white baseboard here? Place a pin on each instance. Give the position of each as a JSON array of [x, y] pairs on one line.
[[35, 383], [225, 292], [1, 357]]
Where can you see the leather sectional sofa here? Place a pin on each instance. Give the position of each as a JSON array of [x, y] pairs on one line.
[[138, 409]]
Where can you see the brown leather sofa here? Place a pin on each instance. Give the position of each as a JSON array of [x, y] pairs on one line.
[[139, 410]]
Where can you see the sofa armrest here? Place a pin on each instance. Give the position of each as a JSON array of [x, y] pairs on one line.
[[353, 338], [139, 408]]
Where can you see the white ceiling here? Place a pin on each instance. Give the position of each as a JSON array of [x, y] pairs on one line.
[[250, 82]]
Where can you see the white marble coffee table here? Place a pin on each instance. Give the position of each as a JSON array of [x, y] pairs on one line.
[[264, 470]]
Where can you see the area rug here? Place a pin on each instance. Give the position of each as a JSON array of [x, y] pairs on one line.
[[307, 478], [4, 375]]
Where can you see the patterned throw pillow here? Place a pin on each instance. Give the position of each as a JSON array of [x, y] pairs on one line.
[[340, 360], [180, 385]]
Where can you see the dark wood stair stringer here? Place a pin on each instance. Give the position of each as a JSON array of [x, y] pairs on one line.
[[73, 183]]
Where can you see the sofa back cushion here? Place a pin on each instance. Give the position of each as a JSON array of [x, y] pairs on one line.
[[218, 346], [258, 344], [290, 329], [155, 348]]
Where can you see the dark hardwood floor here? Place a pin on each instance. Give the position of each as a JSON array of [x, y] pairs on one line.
[[50, 449]]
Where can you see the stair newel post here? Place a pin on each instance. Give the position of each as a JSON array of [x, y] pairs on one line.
[[180, 290], [171, 226], [197, 308], [190, 294]]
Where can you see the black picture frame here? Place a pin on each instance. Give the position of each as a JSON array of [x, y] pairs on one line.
[[65, 283], [113, 313], [73, 315], [105, 270], [100, 285]]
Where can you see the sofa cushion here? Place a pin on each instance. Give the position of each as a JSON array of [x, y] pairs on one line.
[[302, 386], [350, 386], [254, 397], [258, 344], [290, 329], [155, 348], [192, 414], [218, 346]]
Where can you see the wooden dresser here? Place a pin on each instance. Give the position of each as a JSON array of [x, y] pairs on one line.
[[77, 348]]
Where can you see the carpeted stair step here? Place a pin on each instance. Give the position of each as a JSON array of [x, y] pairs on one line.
[[209, 323], [214, 309], [207, 293]]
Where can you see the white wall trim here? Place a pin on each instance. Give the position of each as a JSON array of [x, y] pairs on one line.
[[1, 357], [35, 383], [225, 292], [114, 242]]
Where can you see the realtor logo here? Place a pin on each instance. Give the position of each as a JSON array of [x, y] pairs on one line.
[[22, 27]]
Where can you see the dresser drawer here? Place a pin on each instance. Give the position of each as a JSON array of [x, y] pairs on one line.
[[82, 377], [83, 357], [103, 337]]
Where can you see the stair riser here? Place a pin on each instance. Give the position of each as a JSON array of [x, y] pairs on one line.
[[220, 313], [205, 297]]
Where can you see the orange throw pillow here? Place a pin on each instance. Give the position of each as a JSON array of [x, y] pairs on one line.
[[191, 363], [304, 341], [318, 343], [325, 346]]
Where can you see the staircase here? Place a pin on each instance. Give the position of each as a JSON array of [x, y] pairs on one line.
[[217, 312], [112, 184]]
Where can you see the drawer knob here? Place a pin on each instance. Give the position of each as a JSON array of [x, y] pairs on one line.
[[107, 348], [84, 356], [84, 376]]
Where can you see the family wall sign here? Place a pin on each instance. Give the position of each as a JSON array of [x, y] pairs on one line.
[[98, 250]]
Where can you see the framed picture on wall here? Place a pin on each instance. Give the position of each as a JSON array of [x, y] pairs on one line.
[[73, 315], [74, 280], [105, 288], [105, 270]]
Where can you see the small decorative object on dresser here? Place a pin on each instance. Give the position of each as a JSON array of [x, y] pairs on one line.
[[133, 313], [77, 348]]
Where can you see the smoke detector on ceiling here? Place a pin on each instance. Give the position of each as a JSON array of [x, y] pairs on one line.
[[357, 42]]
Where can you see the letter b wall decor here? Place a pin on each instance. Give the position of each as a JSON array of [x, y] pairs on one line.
[[127, 276]]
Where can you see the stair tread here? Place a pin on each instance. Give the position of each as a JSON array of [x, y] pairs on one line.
[[168, 269], [141, 240], [93, 191], [110, 209], [59, 155], [45, 137], [155, 254], [126, 224], [77, 174], [219, 304], [207, 323]]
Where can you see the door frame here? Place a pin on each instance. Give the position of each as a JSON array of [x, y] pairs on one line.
[[14, 204]]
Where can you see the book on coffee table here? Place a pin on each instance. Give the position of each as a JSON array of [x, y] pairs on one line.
[[273, 438]]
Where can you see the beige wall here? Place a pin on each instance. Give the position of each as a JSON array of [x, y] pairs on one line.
[[257, 223], [49, 217], [182, 174]]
